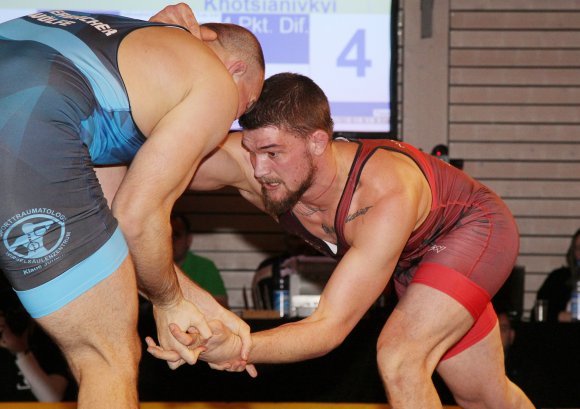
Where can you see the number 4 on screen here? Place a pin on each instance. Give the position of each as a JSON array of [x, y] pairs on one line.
[[353, 54]]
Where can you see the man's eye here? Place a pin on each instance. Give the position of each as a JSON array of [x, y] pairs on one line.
[[273, 154]]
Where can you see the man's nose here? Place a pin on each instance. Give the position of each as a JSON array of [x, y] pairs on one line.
[[260, 167]]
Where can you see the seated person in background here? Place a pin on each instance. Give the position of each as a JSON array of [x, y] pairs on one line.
[[557, 288], [33, 369], [263, 280], [506, 328], [199, 269]]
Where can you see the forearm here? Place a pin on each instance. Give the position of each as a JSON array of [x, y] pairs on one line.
[[45, 387], [149, 243], [295, 342]]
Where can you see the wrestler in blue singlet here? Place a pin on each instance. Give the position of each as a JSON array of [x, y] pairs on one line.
[[63, 109]]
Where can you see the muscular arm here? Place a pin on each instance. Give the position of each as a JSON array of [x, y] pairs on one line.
[[379, 236], [198, 105], [377, 239], [360, 277], [228, 165]]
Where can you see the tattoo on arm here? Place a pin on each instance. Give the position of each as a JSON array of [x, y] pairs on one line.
[[350, 217]]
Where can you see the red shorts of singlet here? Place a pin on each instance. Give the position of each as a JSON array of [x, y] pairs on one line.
[[474, 298], [470, 263]]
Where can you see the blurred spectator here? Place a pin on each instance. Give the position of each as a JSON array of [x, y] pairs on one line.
[[508, 321], [557, 288], [200, 269], [33, 368], [507, 331]]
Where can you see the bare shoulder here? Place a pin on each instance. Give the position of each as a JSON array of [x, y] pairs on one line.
[[388, 172], [392, 190], [161, 66]]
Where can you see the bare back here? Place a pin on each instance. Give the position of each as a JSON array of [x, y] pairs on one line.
[[161, 66]]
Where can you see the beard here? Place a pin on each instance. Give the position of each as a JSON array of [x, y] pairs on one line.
[[287, 203]]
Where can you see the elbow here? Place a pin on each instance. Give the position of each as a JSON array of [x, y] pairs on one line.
[[335, 336], [338, 339], [130, 222]]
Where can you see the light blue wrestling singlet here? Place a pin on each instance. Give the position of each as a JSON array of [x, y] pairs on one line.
[[63, 109]]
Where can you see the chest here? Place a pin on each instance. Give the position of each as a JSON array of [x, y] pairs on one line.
[[337, 225]]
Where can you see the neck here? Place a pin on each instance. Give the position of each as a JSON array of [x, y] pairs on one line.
[[327, 188], [322, 201]]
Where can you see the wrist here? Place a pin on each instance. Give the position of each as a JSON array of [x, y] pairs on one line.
[[166, 302], [167, 297]]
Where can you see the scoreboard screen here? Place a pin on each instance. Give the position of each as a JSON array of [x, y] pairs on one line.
[[345, 46]]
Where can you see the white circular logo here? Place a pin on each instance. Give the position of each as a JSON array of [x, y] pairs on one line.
[[26, 238]]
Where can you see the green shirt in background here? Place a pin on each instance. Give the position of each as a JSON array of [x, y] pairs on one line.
[[204, 272]]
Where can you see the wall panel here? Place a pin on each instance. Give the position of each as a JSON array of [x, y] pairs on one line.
[[514, 116]]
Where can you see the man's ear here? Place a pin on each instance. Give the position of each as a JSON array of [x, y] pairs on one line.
[[319, 141], [237, 68]]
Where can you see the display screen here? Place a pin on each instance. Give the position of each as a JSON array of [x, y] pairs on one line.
[[345, 46]]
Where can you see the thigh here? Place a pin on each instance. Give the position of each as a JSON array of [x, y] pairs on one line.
[[425, 324], [102, 319], [477, 373]]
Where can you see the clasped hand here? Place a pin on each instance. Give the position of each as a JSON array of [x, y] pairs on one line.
[[185, 315], [222, 351]]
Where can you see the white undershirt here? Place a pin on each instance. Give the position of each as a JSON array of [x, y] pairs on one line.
[[333, 247]]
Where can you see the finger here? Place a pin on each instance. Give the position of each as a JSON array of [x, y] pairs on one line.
[[239, 366], [176, 364], [190, 22], [218, 367], [189, 355], [160, 353], [201, 325], [207, 34], [150, 342], [183, 337], [198, 351], [251, 370]]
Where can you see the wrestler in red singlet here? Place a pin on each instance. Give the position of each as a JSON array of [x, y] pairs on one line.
[[466, 247]]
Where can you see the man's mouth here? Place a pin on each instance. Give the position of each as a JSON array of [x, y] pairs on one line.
[[270, 184]]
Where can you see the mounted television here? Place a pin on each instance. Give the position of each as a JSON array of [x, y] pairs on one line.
[[348, 47]]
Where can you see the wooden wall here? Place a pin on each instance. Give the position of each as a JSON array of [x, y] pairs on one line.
[[514, 116], [234, 234], [499, 82]]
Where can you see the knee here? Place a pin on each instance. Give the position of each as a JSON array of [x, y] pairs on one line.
[[396, 362], [106, 355]]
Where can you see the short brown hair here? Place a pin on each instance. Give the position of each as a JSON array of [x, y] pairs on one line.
[[292, 102]]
